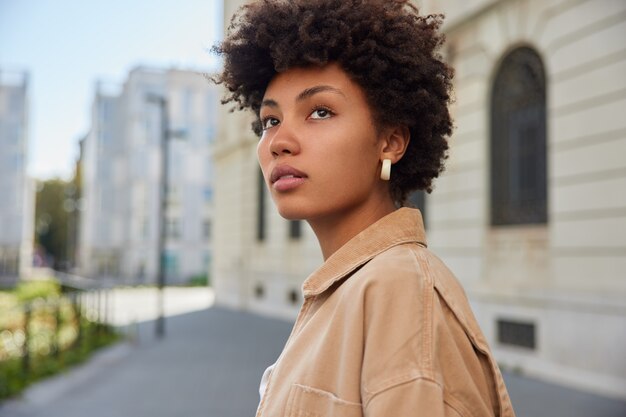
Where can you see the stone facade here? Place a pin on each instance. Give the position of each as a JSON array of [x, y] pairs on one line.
[[550, 295], [566, 276]]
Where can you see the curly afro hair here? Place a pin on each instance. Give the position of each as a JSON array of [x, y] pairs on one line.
[[385, 46]]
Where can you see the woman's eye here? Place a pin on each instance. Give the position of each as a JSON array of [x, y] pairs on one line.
[[321, 114], [269, 122]]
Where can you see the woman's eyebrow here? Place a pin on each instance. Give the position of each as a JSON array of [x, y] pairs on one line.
[[318, 89], [304, 94], [269, 103]]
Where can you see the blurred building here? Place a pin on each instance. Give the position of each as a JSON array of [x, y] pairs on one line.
[[531, 211], [121, 176], [17, 191]]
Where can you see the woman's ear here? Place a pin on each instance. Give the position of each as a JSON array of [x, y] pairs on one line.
[[395, 142]]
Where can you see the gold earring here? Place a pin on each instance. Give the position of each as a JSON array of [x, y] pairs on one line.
[[385, 173]]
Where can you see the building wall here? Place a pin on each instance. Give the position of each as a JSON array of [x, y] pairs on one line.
[[563, 280], [122, 179], [17, 190], [567, 276]]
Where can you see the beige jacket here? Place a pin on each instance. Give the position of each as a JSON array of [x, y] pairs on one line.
[[385, 330]]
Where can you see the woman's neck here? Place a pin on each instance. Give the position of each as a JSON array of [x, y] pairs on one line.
[[336, 230]]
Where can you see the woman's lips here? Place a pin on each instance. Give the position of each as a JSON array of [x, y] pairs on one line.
[[287, 183], [285, 178]]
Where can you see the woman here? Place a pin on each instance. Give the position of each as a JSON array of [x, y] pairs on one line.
[[351, 100]]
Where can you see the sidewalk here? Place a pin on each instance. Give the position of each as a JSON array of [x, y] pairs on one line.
[[209, 364]]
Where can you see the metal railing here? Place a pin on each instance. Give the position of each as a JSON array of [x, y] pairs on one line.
[[44, 334]]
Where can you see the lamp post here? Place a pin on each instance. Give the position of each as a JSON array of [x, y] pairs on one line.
[[162, 103], [166, 134]]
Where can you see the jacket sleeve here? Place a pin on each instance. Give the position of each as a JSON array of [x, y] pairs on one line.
[[417, 358], [397, 376]]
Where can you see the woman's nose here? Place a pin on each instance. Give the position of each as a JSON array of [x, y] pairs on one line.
[[284, 141]]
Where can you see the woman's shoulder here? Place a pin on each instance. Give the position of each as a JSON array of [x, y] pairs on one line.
[[402, 268], [407, 261], [409, 270]]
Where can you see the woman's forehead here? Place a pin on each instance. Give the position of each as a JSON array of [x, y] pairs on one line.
[[302, 81]]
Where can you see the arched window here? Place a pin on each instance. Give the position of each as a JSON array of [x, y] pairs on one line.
[[518, 141]]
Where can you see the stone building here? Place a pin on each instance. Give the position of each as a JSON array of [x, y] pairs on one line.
[[17, 190], [531, 211], [120, 225]]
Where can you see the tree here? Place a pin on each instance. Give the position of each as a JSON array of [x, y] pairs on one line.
[[54, 203]]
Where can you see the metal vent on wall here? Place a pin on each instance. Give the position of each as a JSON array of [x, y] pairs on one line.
[[517, 333]]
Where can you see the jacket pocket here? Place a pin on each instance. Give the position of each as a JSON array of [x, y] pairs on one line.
[[304, 401]]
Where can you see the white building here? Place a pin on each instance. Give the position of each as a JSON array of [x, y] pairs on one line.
[[122, 172], [531, 211], [17, 190]]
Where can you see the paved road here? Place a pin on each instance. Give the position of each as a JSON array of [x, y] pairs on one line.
[[209, 365]]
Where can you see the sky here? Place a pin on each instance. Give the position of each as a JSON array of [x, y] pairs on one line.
[[67, 45]]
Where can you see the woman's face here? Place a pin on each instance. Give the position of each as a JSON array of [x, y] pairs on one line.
[[320, 151]]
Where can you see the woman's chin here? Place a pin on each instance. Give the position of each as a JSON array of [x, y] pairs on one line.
[[293, 212]]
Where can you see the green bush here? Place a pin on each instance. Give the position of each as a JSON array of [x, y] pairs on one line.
[[14, 378], [30, 290], [200, 280], [7, 299]]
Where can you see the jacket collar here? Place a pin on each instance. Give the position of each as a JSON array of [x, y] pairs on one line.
[[402, 226]]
